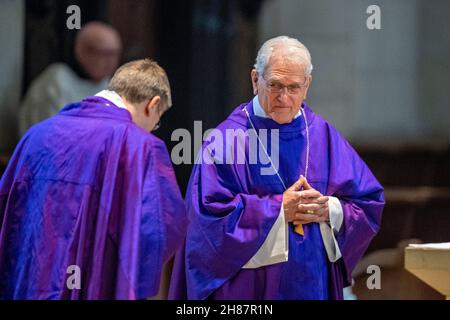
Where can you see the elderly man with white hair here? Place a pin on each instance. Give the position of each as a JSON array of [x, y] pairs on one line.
[[295, 232]]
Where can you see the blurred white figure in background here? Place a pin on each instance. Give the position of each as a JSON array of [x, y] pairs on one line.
[[97, 52]]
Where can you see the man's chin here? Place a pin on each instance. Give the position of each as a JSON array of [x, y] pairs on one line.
[[283, 116], [282, 120]]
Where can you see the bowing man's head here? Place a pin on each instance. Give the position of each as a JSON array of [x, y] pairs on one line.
[[281, 77], [145, 90]]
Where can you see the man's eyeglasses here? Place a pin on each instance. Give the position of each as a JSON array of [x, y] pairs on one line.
[[157, 126], [277, 87]]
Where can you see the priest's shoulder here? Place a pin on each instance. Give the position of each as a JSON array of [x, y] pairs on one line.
[[236, 120], [55, 73], [57, 77], [141, 138], [333, 134], [321, 123]]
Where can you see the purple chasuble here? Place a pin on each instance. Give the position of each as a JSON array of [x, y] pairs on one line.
[[232, 207], [89, 193]]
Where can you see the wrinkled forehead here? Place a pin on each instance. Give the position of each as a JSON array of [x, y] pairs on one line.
[[288, 56], [101, 39], [106, 42], [281, 64]]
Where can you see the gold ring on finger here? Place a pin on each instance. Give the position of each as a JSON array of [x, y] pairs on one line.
[[310, 211]]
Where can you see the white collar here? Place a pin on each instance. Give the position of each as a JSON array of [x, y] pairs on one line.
[[113, 97], [259, 111]]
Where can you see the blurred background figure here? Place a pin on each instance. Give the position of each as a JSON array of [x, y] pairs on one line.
[[97, 54], [98, 192]]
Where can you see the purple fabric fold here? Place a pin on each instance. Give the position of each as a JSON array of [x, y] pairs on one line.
[[88, 188], [232, 207]]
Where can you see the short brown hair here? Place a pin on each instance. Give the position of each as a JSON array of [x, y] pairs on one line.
[[141, 80]]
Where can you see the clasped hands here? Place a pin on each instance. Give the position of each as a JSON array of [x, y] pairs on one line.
[[303, 204]]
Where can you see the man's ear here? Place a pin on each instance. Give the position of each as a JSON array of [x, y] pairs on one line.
[[254, 77], [307, 87], [152, 105]]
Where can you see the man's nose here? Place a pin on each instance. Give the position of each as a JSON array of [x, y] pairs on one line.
[[284, 94]]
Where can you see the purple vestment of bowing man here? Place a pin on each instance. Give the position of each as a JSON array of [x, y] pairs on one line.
[[232, 207], [88, 189]]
